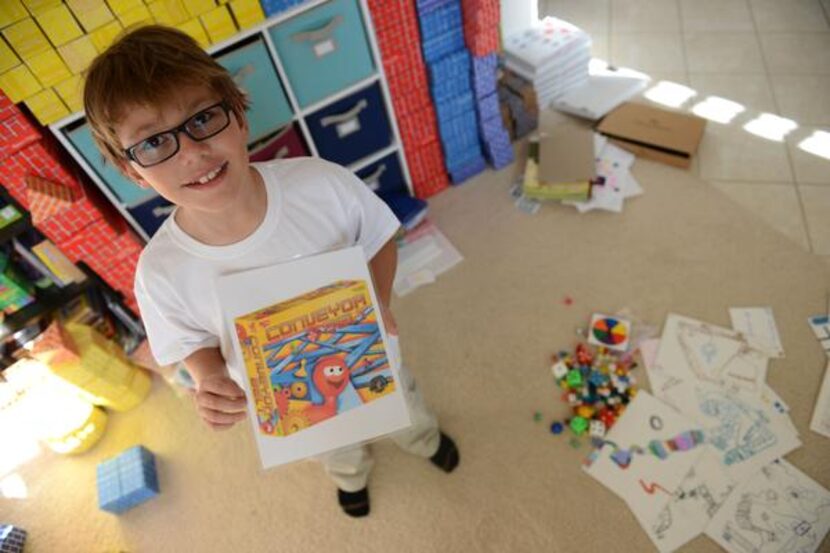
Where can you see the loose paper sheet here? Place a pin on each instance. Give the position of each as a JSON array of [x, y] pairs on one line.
[[758, 325]]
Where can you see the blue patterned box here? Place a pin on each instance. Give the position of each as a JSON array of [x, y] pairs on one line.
[[127, 480], [472, 166], [499, 150], [443, 19], [454, 107], [484, 74], [270, 7], [458, 134], [439, 46], [491, 128], [427, 5], [488, 107], [12, 539]]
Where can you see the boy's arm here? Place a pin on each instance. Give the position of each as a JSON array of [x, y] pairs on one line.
[[220, 400], [383, 266]]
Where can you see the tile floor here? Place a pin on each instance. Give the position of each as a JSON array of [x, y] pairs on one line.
[[770, 56]]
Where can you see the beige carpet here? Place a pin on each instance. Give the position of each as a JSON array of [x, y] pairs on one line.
[[478, 340]]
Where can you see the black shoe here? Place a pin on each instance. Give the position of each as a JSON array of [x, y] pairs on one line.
[[447, 457], [354, 504]]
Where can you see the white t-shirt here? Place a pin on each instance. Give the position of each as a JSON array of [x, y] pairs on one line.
[[313, 206]]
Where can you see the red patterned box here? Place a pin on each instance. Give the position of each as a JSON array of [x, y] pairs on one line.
[[482, 13], [66, 225], [425, 162], [47, 198], [121, 274], [431, 186], [34, 159], [386, 13], [99, 245], [418, 127], [416, 99], [16, 132], [483, 43], [7, 107]]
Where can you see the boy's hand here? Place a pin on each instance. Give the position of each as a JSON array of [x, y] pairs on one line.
[[220, 402]]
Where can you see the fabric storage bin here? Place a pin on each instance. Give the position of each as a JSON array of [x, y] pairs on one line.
[[152, 213], [352, 128], [385, 175], [286, 143], [253, 71], [323, 50], [127, 192]]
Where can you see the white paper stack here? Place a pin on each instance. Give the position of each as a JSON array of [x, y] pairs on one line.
[[553, 54]]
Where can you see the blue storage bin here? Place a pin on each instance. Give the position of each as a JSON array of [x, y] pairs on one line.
[[440, 20], [152, 213], [384, 175], [254, 72], [127, 192], [352, 128], [271, 7], [323, 50]]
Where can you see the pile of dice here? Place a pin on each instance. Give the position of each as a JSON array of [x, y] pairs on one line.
[[597, 385]]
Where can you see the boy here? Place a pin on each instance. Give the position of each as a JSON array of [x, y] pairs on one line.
[[170, 118]]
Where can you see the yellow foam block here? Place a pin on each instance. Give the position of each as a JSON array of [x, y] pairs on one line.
[[218, 24], [90, 13], [46, 106], [102, 37], [197, 7], [36, 7], [18, 83], [26, 38], [48, 67], [78, 54], [59, 25], [139, 15], [83, 437], [8, 58], [194, 29], [169, 12], [121, 6], [71, 92], [247, 12], [11, 11]]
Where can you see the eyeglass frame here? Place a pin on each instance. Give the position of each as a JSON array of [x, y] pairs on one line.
[[128, 152]]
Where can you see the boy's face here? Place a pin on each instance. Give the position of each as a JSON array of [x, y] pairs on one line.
[[224, 156]]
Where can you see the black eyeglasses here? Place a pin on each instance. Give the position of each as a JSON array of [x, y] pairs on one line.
[[164, 145]]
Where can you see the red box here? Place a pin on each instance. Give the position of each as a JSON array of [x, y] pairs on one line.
[[99, 244], [66, 225], [7, 107], [121, 274], [418, 127], [35, 159], [288, 143], [386, 13], [431, 186], [483, 43], [16, 132], [425, 162], [413, 100]]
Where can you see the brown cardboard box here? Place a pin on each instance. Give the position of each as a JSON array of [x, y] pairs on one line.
[[654, 133]]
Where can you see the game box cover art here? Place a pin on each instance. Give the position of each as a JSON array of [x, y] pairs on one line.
[[313, 357]]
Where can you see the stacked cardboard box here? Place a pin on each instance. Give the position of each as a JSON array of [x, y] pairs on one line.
[[449, 69], [35, 173], [481, 32], [45, 46], [396, 28]]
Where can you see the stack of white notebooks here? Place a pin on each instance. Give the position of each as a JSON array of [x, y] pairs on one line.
[[553, 54]]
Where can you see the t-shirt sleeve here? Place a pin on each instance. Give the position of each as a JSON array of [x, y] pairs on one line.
[[372, 222], [171, 332]]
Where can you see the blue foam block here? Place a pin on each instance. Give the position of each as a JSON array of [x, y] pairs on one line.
[[127, 480]]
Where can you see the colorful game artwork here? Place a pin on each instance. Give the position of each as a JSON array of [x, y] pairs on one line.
[[307, 342], [611, 332], [315, 356]]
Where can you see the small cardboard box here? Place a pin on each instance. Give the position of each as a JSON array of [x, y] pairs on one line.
[[654, 133]]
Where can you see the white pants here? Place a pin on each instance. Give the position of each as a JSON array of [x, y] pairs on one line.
[[349, 467]]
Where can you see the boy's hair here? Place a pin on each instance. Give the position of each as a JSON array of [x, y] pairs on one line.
[[145, 67]]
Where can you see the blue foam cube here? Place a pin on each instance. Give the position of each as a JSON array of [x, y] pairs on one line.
[[443, 19], [12, 539], [127, 480]]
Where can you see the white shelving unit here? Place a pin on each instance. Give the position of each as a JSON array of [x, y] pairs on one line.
[[262, 31]]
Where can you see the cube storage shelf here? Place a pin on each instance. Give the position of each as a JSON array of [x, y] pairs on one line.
[[317, 87]]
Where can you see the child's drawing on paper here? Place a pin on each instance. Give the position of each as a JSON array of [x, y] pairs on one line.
[[314, 357], [779, 510]]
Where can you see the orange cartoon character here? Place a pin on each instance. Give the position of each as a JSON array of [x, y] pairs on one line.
[[330, 377]]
